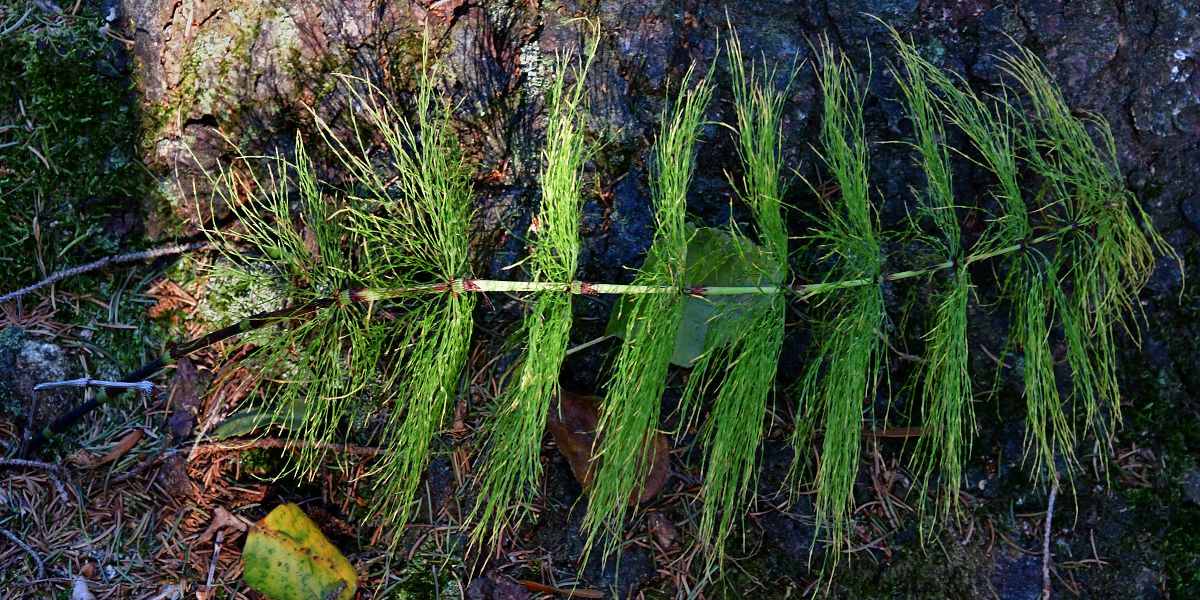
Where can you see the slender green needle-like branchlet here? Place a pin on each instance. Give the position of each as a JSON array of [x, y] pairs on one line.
[[1104, 263], [846, 368], [943, 377], [519, 418], [418, 228], [296, 253], [630, 414], [750, 333]]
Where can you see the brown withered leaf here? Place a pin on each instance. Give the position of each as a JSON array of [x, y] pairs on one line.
[[572, 422], [185, 399], [664, 531], [123, 446], [222, 519]]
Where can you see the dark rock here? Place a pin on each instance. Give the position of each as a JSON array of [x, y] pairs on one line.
[[1189, 483], [479, 589], [500, 230], [1189, 207], [440, 483], [618, 230], [1017, 576], [507, 589], [645, 37], [497, 587], [26, 361], [173, 478]]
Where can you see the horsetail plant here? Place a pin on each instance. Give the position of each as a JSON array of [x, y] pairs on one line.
[[632, 405], [943, 378], [413, 226], [375, 295]]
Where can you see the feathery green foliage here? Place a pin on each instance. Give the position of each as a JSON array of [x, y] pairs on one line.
[[845, 371], [751, 331], [519, 422], [1105, 255], [632, 405], [413, 219], [300, 258], [943, 377], [396, 225], [996, 131], [1072, 248]]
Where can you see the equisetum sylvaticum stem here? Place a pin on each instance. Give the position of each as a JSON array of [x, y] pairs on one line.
[[174, 353], [112, 391]]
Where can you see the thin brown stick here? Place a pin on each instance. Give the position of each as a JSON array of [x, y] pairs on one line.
[[54, 470], [30, 464], [174, 353], [41, 566], [107, 261], [1046, 590], [145, 387], [212, 564], [146, 463]]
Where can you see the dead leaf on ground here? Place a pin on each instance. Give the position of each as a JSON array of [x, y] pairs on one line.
[[185, 399], [82, 458], [664, 531], [572, 423], [122, 448], [173, 591], [222, 519]]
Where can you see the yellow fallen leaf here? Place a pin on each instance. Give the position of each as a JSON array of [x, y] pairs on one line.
[[286, 557]]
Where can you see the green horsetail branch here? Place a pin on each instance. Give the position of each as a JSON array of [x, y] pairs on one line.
[[373, 275]]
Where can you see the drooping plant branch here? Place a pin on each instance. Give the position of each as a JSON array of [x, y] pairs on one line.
[[519, 419], [1073, 254], [632, 404], [846, 366]]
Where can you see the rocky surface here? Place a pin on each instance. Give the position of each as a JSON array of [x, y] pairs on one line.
[[26, 361], [253, 71]]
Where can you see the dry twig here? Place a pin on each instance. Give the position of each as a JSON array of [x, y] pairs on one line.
[[145, 387], [281, 443], [41, 566], [1046, 540], [107, 261], [54, 470]]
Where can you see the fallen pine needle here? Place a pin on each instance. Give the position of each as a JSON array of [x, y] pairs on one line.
[[534, 586], [280, 443]]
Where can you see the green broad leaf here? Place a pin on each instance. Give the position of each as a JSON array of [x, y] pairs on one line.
[[714, 259], [249, 420], [286, 557]]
